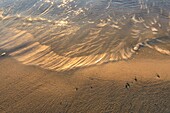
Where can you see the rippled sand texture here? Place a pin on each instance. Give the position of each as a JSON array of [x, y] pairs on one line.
[[63, 35], [98, 89]]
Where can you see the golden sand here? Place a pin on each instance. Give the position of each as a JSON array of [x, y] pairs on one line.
[[139, 85]]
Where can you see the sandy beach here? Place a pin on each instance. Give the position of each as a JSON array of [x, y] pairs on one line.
[[139, 85], [84, 56]]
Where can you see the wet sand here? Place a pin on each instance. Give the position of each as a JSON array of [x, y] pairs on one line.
[[139, 85]]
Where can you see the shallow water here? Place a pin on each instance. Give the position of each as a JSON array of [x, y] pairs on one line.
[[66, 34]]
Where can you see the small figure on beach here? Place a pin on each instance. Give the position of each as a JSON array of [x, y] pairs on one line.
[[127, 85], [158, 76]]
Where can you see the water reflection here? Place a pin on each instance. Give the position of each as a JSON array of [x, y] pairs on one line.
[[62, 35]]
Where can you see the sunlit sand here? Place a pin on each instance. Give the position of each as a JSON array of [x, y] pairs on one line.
[[84, 56]]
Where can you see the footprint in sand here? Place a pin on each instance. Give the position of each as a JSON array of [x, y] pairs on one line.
[[127, 85], [136, 79], [157, 75], [76, 89]]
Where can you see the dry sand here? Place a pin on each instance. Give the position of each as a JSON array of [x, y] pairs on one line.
[[108, 88]]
